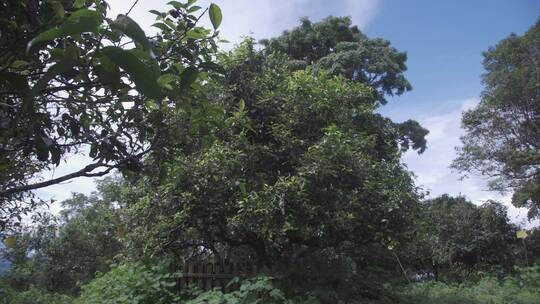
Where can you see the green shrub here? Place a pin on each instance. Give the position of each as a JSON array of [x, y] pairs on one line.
[[521, 288], [31, 296], [131, 283]]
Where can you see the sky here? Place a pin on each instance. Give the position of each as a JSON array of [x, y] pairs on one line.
[[444, 41]]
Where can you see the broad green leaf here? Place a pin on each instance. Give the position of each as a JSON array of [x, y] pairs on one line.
[[140, 73], [155, 12], [176, 4], [44, 37], [215, 15], [78, 22], [242, 105], [78, 3], [165, 80], [162, 26], [193, 9], [131, 29], [107, 71]]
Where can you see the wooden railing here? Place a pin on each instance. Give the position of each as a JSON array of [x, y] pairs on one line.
[[208, 276]]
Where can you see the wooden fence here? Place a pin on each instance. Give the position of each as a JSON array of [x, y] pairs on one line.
[[208, 276]]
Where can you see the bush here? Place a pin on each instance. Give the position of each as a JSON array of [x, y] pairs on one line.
[[522, 288], [31, 296], [132, 283]]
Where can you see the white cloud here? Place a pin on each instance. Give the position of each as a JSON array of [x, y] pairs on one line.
[[432, 167]]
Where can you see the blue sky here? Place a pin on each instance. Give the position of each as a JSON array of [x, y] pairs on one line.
[[444, 41]]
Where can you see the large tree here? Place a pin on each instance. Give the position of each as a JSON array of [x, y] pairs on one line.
[[73, 80], [502, 139], [300, 165]]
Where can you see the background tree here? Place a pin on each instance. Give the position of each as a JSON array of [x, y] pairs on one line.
[[61, 253], [455, 239], [73, 80], [502, 139]]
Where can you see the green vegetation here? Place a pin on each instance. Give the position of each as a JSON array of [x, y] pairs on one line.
[[273, 154]]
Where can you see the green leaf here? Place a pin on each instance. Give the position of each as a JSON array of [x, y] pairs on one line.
[[44, 37], [193, 9], [55, 70], [165, 80], [58, 9], [176, 4], [93, 150], [162, 26], [78, 3], [189, 75], [215, 15], [78, 22], [131, 29], [242, 105], [140, 73], [42, 149], [56, 155], [155, 12]]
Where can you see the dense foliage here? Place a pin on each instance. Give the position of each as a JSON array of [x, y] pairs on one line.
[[300, 165], [61, 253], [73, 80]]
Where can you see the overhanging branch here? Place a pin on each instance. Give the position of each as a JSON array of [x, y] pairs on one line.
[[84, 172]]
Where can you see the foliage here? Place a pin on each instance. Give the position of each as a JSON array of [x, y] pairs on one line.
[[131, 283], [256, 290], [62, 253], [335, 45], [72, 80], [31, 296], [524, 288], [454, 239], [301, 164], [503, 130]]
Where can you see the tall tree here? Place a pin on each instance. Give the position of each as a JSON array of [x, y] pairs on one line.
[[502, 139], [300, 165]]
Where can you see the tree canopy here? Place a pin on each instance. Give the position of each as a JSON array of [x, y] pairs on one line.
[[335, 45], [301, 164]]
